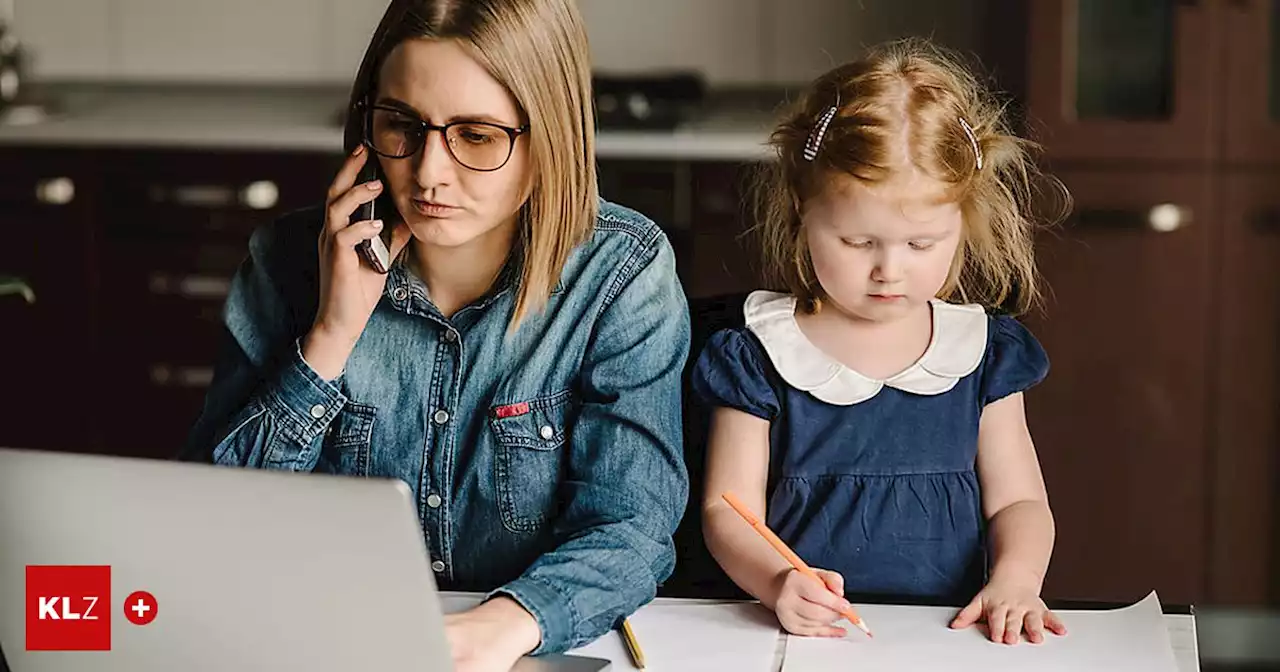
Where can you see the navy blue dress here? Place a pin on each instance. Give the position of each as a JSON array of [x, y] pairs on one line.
[[874, 479]]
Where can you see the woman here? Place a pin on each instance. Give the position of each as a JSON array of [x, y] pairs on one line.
[[518, 366]]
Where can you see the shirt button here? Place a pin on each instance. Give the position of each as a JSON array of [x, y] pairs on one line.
[[399, 293], [433, 501], [547, 432], [437, 566], [450, 336], [441, 416], [317, 411]]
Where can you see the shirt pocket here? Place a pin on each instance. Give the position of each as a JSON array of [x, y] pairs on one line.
[[530, 462], [345, 449]]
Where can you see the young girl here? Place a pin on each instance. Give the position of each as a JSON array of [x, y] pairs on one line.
[[877, 405]]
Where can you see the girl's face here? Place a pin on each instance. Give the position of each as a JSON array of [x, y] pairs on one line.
[[881, 250], [444, 202]]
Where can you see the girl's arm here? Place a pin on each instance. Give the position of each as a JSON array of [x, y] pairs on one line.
[[1021, 526], [738, 461], [1014, 500]]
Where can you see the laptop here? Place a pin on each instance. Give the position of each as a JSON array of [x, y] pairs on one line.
[[249, 569]]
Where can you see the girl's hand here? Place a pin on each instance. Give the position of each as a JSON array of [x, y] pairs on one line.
[[808, 608], [1008, 608]]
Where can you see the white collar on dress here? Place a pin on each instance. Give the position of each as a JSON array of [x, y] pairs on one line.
[[955, 349]]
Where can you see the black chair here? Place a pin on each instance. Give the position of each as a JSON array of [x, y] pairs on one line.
[[696, 573]]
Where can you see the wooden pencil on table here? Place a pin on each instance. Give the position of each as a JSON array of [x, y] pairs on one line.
[[633, 644], [790, 555]]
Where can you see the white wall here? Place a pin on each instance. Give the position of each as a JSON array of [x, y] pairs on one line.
[[730, 41]]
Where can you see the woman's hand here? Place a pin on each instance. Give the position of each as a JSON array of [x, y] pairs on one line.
[[349, 289], [491, 637], [808, 608], [1009, 608]]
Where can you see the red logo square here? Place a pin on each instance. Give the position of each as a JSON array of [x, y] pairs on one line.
[[68, 607]]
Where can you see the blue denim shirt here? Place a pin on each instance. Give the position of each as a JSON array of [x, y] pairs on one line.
[[546, 465]]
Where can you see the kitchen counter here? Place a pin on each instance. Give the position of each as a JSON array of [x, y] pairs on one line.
[[733, 128]]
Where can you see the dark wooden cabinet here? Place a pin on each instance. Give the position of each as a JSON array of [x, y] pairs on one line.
[[131, 254], [1245, 455], [1251, 93], [700, 205], [1124, 79], [1121, 421], [1166, 342], [48, 383], [174, 228]]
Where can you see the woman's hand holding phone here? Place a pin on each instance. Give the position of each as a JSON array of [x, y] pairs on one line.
[[349, 288]]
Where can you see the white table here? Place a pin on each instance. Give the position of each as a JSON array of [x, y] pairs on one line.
[[1182, 632]]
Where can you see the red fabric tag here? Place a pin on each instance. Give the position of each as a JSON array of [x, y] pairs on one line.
[[512, 410]]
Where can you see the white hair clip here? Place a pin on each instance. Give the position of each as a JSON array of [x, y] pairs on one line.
[[814, 142], [973, 140]]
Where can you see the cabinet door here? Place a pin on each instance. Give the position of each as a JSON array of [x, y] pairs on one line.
[[47, 382], [726, 258], [1120, 423], [1246, 438], [175, 230], [1252, 100], [1123, 79]]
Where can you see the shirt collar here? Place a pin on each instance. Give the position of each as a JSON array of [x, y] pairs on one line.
[[955, 350]]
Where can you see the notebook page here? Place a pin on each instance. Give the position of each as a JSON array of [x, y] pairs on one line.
[[908, 638]]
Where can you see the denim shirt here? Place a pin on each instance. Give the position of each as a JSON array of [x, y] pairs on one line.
[[546, 465]]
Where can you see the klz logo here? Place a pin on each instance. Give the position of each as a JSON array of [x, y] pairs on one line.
[[68, 608]]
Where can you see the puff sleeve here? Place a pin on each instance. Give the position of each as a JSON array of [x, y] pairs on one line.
[[1015, 360], [730, 373]]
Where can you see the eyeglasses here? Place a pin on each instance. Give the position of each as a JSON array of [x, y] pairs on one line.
[[478, 145]]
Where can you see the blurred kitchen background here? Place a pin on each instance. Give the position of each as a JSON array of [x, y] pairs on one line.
[[142, 140]]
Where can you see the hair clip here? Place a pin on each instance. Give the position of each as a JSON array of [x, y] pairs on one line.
[[973, 140], [814, 142]]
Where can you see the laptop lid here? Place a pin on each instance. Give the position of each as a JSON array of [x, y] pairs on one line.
[[249, 569]]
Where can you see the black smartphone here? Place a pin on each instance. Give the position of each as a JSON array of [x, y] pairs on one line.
[[376, 251]]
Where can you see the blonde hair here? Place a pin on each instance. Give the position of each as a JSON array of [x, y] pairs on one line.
[[907, 101], [538, 49]]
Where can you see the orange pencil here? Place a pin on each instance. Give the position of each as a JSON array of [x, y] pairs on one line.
[[787, 553]]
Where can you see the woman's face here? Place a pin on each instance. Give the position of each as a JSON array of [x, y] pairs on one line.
[[444, 202]]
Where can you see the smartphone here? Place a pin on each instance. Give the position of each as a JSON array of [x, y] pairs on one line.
[[376, 251]]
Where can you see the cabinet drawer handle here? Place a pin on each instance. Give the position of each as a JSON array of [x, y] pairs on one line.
[[1162, 218], [259, 195], [164, 375], [56, 191], [190, 286], [10, 285]]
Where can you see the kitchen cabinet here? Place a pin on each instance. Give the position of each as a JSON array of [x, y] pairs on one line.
[[1245, 454], [1168, 383], [48, 383], [130, 254], [701, 206], [1121, 420], [1125, 79], [1251, 99]]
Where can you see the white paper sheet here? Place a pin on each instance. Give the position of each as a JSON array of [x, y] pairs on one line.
[[1131, 639], [740, 637]]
